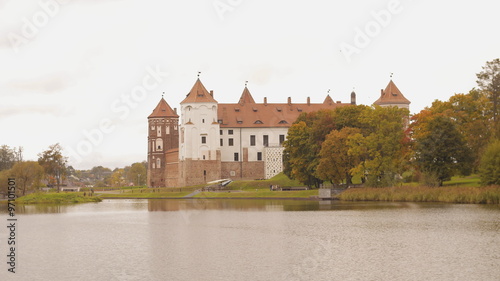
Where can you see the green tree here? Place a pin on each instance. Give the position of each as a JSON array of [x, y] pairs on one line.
[[300, 156], [489, 81], [473, 116], [490, 164], [137, 174], [440, 149], [7, 157], [28, 175], [118, 178], [381, 149], [54, 164], [335, 162]]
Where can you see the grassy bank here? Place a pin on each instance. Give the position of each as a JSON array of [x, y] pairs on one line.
[[147, 195], [259, 193], [449, 194], [56, 198]]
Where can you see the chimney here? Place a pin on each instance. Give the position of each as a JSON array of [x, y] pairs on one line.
[[339, 101], [265, 100], [308, 101], [289, 101], [175, 110], [353, 98], [212, 93], [381, 92]]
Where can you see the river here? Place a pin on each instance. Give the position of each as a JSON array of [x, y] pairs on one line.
[[253, 240]]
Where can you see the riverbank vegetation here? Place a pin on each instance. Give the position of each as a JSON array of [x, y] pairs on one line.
[[449, 194], [57, 198], [380, 145]]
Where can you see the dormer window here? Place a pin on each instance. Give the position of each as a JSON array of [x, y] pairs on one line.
[[282, 122], [258, 122], [278, 109], [236, 109]]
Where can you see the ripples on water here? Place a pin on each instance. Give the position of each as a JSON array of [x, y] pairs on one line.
[[255, 240]]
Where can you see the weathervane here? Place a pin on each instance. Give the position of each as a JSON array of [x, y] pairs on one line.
[[162, 94], [392, 74], [246, 83], [328, 92], [199, 72]]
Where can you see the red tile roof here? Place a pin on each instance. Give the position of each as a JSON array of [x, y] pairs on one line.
[[391, 95], [246, 97], [163, 110], [198, 94], [248, 114]]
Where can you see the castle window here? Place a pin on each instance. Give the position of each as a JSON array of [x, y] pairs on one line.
[[265, 140], [221, 142], [158, 163], [202, 120], [254, 109], [231, 142], [282, 139], [278, 109], [229, 132], [203, 139], [221, 132], [259, 156], [258, 122], [252, 140], [236, 156], [167, 131], [236, 109], [159, 144]]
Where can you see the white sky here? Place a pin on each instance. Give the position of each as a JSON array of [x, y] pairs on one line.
[[64, 68]]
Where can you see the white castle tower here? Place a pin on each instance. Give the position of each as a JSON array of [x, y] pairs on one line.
[[199, 150]]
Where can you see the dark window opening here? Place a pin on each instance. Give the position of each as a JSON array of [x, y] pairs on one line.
[[282, 139], [252, 140], [259, 156], [236, 156]]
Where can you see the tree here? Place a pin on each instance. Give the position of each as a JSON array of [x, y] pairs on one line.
[[472, 115], [7, 157], [440, 150], [28, 175], [336, 162], [300, 157], [381, 150], [490, 164], [118, 178], [137, 174], [489, 80], [54, 164]]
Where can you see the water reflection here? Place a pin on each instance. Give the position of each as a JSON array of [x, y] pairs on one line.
[[173, 205]]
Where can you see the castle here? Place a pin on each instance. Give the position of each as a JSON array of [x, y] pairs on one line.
[[239, 141]]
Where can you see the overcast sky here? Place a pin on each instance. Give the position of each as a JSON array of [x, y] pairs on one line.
[[86, 74]]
